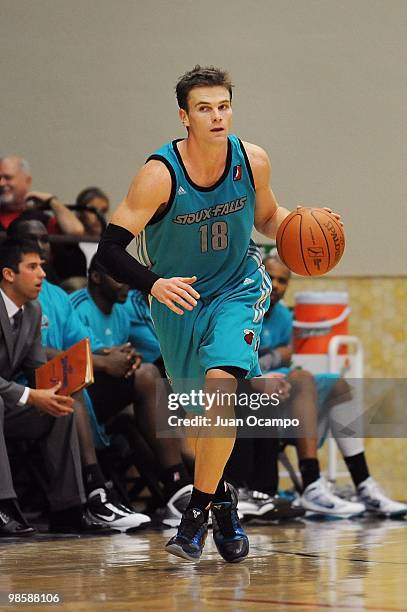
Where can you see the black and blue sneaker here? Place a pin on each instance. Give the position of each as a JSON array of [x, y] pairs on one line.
[[190, 538], [230, 539]]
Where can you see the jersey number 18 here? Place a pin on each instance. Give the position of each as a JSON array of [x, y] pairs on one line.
[[218, 236]]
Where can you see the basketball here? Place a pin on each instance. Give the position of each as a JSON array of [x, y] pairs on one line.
[[310, 241]]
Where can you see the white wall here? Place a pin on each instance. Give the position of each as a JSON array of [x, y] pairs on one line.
[[87, 94]]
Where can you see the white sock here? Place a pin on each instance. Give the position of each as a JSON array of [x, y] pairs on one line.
[[350, 446], [340, 416]]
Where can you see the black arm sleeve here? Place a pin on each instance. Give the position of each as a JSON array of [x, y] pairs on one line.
[[114, 260]]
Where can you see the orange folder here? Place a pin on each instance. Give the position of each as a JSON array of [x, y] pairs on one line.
[[73, 368]]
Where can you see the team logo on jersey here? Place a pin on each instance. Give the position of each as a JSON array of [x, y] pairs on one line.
[[248, 336], [181, 190], [237, 172]]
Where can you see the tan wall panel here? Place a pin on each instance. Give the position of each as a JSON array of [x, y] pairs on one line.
[[87, 94]]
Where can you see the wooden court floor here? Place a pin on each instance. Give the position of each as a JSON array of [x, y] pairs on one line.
[[304, 565]]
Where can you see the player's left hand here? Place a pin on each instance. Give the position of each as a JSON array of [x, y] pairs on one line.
[[334, 214]]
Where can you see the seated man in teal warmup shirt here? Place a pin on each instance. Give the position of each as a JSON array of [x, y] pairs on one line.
[[101, 308], [332, 404]]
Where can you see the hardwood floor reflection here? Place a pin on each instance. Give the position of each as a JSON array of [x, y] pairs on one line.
[[337, 565]]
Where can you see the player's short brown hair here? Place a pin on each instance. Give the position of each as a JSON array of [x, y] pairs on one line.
[[207, 76]]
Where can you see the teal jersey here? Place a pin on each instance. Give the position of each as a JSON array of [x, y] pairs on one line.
[[60, 325], [110, 329], [142, 333], [277, 327], [204, 231]]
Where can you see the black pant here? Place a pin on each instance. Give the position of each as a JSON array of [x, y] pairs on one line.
[[110, 395], [254, 463]]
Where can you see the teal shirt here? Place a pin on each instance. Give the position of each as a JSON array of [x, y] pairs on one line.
[[110, 330], [204, 231], [60, 325], [277, 327], [142, 333]]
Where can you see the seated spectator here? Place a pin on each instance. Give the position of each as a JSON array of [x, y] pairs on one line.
[[144, 337], [88, 201], [93, 197], [101, 308], [26, 412], [60, 329], [41, 238], [17, 198], [331, 406], [72, 260]]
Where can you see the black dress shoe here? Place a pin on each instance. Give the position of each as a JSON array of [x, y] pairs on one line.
[[61, 522], [12, 523]]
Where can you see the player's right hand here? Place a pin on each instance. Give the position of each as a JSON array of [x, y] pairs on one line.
[[175, 292], [47, 400]]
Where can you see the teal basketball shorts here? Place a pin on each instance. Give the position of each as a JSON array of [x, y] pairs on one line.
[[220, 331]]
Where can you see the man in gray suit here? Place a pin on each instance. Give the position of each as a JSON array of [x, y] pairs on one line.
[[26, 412]]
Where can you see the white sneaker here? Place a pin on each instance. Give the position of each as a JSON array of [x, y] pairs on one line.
[[318, 498], [259, 507], [176, 506], [117, 516], [376, 502], [255, 504]]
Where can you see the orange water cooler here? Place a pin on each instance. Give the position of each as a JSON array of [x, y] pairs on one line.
[[319, 316]]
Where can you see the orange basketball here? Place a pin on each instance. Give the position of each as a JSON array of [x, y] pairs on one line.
[[310, 241]]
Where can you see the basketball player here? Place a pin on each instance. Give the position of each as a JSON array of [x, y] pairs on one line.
[[192, 207]]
